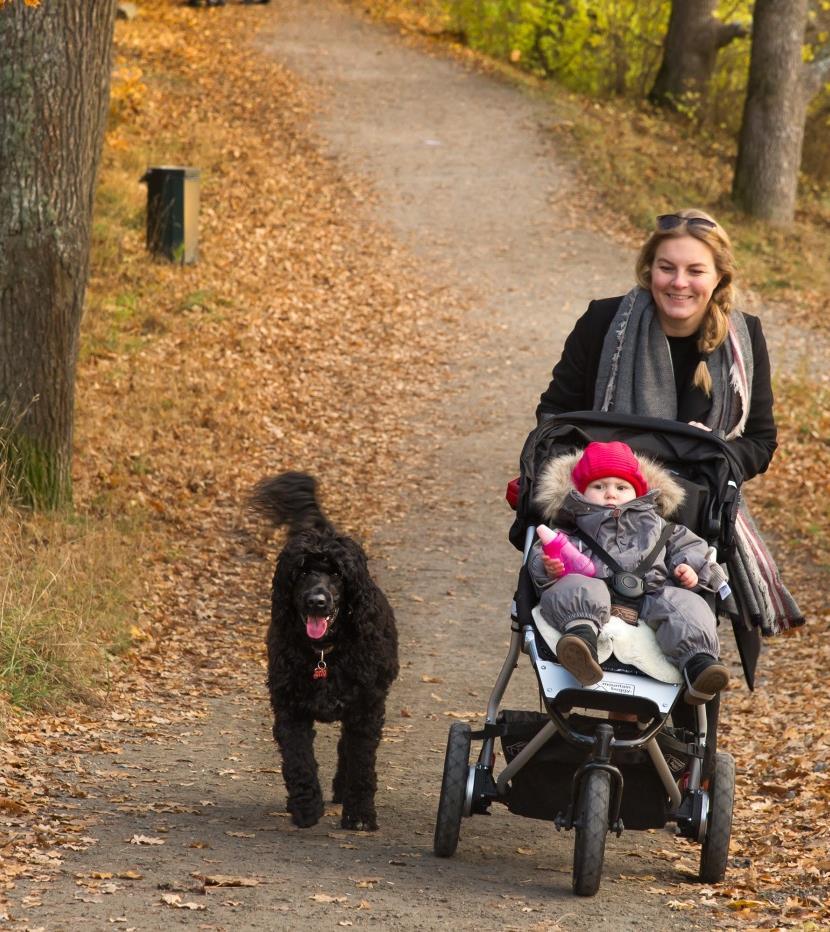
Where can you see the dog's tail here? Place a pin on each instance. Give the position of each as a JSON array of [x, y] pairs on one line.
[[290, 498]]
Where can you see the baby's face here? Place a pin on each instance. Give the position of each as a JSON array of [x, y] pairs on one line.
[[610, 491]]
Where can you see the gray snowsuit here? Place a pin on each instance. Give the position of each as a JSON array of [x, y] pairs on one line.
[[682, 621]]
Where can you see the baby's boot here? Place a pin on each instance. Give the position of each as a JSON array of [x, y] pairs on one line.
[[705, 676], [576, 650]]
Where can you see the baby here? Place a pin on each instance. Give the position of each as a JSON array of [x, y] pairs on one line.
[[605, 495]]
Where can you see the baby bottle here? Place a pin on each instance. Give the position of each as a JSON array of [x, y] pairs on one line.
[[557, 546]]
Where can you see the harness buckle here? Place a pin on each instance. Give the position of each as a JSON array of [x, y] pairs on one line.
[[628, 585]]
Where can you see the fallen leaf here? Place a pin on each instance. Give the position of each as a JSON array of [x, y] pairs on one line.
[[225, 880], [325, 898], [173, 899], [681, 904], [745, 904], [367, 882]]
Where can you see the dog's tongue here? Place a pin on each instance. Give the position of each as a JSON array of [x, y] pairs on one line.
[[316, 627]]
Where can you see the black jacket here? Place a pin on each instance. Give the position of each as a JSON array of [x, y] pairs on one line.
[[574, 378]]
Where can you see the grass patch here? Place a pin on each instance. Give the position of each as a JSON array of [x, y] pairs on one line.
[[63, 606]]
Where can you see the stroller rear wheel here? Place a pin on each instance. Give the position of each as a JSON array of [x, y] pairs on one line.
[[715, 851], [591, 827], [453, 791]]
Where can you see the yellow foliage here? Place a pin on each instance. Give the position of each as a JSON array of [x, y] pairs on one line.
[[127, 91]]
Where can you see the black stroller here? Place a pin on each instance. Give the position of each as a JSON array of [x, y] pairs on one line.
[[627, 752]]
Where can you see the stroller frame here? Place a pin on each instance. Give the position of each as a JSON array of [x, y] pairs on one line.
[[695, 780]]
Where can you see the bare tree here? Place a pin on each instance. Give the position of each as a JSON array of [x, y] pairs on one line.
[[54, 89], [690, 51], [781, 86]]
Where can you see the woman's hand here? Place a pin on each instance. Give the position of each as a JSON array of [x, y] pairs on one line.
[[553, 567], [701, 426], [686, 576]]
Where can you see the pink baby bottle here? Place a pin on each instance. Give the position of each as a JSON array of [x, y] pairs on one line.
[[557, 546]]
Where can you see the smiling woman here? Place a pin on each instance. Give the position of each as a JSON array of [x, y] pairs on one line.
[[673, 347], [676, 347]]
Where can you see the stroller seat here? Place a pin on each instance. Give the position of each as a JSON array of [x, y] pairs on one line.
[[635, 646], [635, 670]]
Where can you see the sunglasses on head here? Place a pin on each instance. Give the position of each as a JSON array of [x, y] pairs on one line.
[[670, 221]]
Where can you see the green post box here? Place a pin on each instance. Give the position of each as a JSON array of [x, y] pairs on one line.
[[173, 212]]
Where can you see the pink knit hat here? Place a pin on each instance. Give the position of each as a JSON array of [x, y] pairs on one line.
[[601, 460]]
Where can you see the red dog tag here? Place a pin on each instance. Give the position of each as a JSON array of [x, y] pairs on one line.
[[320, 671]]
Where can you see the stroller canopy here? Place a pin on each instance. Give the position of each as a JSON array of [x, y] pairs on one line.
[[700, 461]]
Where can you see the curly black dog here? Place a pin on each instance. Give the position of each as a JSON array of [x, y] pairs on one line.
[[332, 653]]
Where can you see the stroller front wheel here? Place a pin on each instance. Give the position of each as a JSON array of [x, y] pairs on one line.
[[715, 851], [591, 827], [453, 791]]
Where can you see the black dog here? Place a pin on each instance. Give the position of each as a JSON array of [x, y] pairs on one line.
[[332, 653]]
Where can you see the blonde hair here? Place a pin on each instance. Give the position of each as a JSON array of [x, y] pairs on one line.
[[715, 327]]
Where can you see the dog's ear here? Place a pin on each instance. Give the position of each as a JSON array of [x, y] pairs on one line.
[[351, 561]]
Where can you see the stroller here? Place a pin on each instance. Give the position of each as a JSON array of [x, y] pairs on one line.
[[628, 751]]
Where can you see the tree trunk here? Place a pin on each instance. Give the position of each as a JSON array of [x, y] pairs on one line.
[[772, 131], [690, 50], [54, 88]]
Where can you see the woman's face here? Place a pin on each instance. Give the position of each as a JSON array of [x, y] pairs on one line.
[[683, 277]]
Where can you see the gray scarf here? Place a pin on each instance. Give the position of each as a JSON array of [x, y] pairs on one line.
[[636, 375]]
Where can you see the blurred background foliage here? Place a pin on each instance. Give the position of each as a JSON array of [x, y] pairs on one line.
[[613, 48]]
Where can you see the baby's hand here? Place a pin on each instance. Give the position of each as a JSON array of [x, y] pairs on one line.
[[701, 426], [553, 567], [686, 576]]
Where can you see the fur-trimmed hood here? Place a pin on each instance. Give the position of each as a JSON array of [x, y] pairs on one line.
[[555, 483]]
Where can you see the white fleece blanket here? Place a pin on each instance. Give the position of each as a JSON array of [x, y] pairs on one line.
[[634, 645]]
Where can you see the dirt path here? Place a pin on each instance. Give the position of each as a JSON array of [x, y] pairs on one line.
[[465, 174]]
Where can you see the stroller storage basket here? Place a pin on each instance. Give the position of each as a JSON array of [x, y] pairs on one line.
[[542, 788]]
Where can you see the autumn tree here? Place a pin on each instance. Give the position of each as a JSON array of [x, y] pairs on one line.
[[54, 89], [781, 85], [690, 48]]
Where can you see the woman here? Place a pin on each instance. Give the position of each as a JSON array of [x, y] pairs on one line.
[[676, 347], [675, 357]]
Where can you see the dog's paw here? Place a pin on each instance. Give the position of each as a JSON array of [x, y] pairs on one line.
[[304, 819], [306, 815], [359, 822]]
